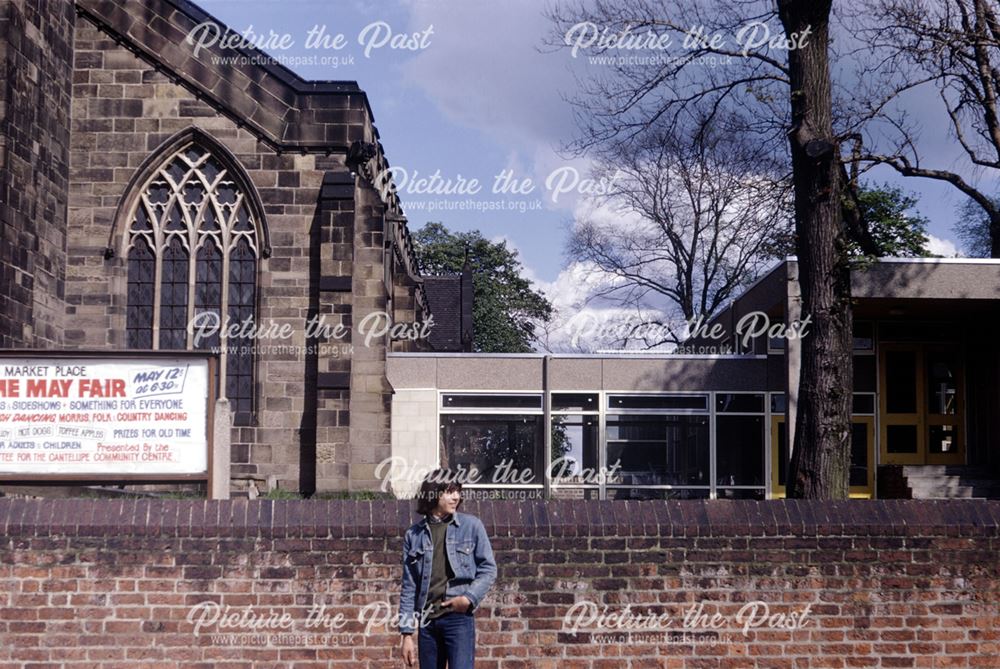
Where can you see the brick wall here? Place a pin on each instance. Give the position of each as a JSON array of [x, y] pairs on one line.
[[156, 583]]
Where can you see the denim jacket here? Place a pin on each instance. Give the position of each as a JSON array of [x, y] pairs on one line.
[[470, 556]]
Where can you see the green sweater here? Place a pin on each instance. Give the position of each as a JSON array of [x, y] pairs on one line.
[[441, 571]]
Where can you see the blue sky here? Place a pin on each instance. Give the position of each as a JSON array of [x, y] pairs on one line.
[[483, 97]]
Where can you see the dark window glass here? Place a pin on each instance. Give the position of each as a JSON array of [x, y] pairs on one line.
[[864, 336], [739, 493], [658, 402], [491, 401], [575, 402], [208, 299], [942, 384], [942, 439], [210, 169], [226, 194], [242, 223], [174, 295], [739, 449], [141, 223], [901, 438], [653, 493], [904, 331], [158, 194], [503, 449], [778, 403], [177, 170], [574, 450], [658, 450], [859, 455], [901, 381], [208, 295], [242, 295], [865, 373], [563, 492], [739, 403], [209, 221], [782, 454], [863, 404], [174, 219], [141, 288], [194, 193]]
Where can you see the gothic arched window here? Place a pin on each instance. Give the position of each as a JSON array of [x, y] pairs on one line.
[[192, 247]]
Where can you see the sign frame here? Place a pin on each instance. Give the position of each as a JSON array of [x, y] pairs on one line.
[[115, 478]]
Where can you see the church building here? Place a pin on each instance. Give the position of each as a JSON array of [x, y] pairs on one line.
[[147, 185]]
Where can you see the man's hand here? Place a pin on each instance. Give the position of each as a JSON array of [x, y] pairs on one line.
[[459, 604], [409, 654]]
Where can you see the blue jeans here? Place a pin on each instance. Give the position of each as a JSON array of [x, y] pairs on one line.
[[450, 638]]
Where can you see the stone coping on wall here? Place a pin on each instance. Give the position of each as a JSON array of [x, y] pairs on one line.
[[537, 518]]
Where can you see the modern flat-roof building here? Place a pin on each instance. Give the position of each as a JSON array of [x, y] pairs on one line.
[[926, 377]]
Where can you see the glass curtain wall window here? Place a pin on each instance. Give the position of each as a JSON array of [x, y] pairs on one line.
[[575, 466], [739, 445], [493, 441], [192, 253], [653, 445], [658, 447]]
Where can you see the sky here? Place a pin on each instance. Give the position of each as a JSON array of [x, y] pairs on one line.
[[466, 90]]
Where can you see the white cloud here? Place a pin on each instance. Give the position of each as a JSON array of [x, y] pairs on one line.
[[585, 321], [942, 247]]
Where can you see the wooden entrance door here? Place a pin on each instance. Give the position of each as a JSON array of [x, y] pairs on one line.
[[921, 404]]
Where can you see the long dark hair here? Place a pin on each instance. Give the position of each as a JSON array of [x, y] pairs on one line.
[[434, 485]]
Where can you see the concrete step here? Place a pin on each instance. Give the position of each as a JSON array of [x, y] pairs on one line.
[[955, 492], [951, 482], [934, 471]]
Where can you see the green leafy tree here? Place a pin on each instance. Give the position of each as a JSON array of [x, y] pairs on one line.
[[506, 310], [890, 228], [894, 229]]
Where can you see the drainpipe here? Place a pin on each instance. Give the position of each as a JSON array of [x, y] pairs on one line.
[[547, 428]]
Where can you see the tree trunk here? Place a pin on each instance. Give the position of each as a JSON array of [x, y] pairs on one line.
[[995, 236], [820, 461]]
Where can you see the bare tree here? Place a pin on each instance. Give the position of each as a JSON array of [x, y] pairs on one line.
[[973, 229], [704, 213], [952, 47], [779, 97]]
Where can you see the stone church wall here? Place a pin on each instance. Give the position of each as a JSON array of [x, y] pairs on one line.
[[36, 42]]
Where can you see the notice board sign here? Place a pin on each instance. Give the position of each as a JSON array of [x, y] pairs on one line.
[[106, 416]]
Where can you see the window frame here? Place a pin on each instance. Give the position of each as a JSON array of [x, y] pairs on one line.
[[602, 414], [122, 237]]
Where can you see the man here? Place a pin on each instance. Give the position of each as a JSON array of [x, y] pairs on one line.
[[448, 567]]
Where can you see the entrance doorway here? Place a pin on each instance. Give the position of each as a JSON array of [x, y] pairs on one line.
[[921, 404]]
